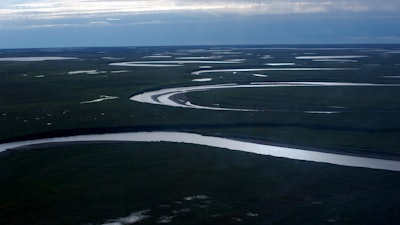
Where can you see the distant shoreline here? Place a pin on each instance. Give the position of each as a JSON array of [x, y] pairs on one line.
[[302, 45]]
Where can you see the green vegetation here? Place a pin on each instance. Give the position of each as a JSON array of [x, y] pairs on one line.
[[92, 183]]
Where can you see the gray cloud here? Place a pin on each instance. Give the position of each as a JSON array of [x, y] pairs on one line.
[[63, 9]]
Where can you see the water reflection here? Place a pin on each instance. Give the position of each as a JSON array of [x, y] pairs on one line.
[[219, 142]]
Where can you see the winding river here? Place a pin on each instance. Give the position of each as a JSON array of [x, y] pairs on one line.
[[166, 96], [219, 142]]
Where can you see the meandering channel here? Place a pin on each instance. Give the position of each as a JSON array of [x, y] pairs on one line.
[[220, 142], [166, 96]]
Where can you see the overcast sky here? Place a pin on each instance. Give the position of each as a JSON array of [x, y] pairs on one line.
[[76, 23]]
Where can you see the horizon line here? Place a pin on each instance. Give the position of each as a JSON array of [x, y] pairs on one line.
[[201, 45]]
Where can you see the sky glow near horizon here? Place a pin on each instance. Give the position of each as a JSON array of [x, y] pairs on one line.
[[179, 22]]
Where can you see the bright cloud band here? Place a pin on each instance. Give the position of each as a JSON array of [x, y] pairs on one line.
[[56, 9]]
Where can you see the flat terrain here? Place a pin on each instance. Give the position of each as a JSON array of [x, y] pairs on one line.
[[63, 92]]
